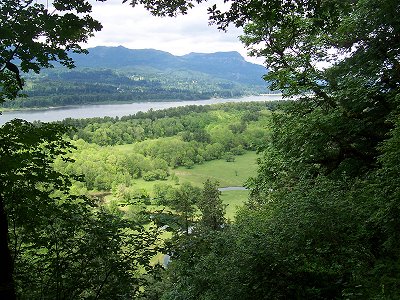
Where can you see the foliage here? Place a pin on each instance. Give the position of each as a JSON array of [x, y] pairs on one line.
[[211, 207], [34, 34], [200, 124], [153, 143], [26, 176], [75, 249], [191, 272], [326, 145], [183, 200], [32, 37], [321, 222]]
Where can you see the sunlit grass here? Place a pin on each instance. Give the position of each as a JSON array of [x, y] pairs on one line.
[[234, 200], [226, 173]]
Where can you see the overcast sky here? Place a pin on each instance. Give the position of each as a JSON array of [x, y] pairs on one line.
[[135, 28]]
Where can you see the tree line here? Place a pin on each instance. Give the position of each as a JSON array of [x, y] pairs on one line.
[[160, 141], [87, 86]]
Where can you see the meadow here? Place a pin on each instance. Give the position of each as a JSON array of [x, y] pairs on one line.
[[228, 174]]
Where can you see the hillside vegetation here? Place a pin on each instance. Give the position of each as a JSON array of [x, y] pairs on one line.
[[85, 213], [118, 74], [185, 144]]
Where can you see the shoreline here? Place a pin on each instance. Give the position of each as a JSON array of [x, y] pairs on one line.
[[117, 109], [49, 108]]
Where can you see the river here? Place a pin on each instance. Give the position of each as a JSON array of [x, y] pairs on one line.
[[114, 110]]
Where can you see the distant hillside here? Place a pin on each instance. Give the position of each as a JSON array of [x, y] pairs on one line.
[[112, 74], [225, 65]]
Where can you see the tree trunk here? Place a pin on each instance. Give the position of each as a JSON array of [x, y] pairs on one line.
[[7, 289]]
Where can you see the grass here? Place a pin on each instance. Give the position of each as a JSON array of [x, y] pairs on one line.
[[226, 173], [233, 199]]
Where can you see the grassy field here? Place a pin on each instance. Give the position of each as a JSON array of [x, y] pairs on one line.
[[233, 199], [226, 173]]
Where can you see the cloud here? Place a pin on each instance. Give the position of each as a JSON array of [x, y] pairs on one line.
[[136, 28]]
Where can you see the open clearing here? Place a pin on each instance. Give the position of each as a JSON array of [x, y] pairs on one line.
[[228, 174]]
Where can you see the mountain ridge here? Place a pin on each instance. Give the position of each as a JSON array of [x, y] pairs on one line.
[[229, 65], [118, 74]]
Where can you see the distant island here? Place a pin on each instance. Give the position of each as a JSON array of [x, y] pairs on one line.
[[119, 74]]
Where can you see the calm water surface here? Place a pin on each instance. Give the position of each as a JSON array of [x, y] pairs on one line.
[[114, 110]]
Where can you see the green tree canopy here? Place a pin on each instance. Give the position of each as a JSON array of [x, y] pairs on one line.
[[211, 207], [320, 223], [33, 34]]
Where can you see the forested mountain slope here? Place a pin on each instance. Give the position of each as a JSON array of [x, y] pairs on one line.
[[223, 65], [111, 74]]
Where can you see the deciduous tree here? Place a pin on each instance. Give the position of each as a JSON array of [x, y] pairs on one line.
[[35, 34], [325, 156], [32, 35]]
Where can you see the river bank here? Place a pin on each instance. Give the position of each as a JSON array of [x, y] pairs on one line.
[[116, 110]]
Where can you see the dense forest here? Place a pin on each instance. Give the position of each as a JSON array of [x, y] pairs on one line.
[[322, 217], [99, 196], [157, 142]]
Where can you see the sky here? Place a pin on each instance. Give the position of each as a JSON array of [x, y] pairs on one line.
[[136, 28]]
